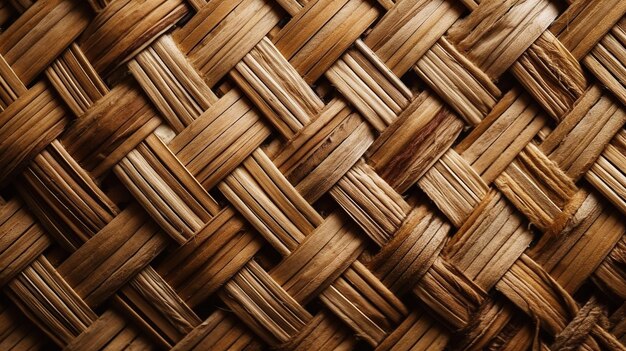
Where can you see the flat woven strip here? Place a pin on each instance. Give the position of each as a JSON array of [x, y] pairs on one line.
[[312, 175]]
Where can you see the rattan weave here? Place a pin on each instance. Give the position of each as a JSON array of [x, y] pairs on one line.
[[312, 174]]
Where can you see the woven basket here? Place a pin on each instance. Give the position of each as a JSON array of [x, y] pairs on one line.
[[312, 174]]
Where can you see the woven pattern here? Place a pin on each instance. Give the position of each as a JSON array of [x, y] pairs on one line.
[[312, 174]]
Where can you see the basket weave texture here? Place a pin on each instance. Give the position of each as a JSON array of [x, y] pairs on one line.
[[312, 174]]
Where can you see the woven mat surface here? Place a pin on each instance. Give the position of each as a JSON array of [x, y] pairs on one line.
[[312, 175]]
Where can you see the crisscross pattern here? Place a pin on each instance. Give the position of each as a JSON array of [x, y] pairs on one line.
[[312, 174]]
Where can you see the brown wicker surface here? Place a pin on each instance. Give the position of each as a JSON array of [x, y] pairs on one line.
[[312, 174]]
